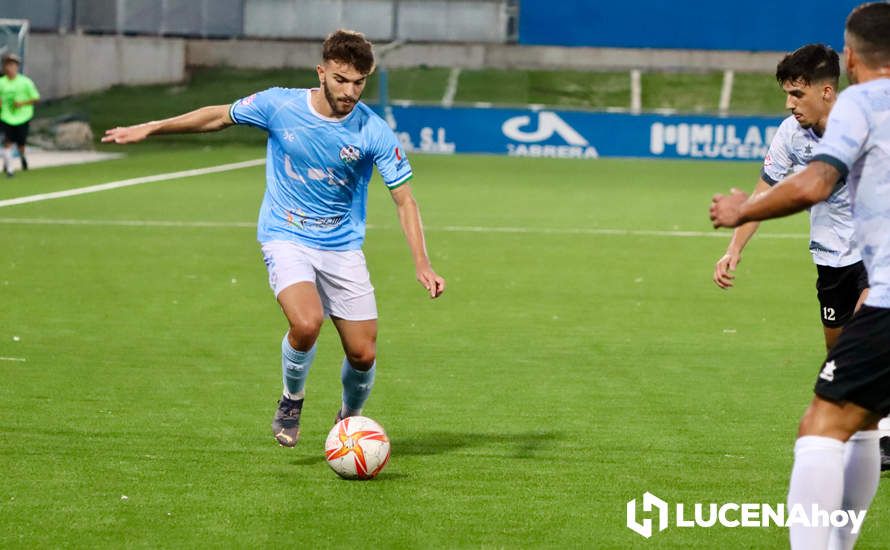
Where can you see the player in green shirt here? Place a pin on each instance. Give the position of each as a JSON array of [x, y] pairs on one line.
[[17, 98]]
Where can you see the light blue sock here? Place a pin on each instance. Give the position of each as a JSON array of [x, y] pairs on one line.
[[295, 368], [356, 387]]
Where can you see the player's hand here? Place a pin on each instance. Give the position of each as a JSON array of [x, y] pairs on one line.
[[433, 283], [127, 134], [726, 209], [725, 265]]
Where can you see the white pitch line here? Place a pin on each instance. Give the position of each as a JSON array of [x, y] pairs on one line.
[[124, 223], [445, 228], [132, 181], [603, 231], [16, 359]]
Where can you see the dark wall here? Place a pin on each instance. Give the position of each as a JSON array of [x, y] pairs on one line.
[[684, 24]]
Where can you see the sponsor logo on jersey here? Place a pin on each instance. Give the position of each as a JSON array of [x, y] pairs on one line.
[[300, 219], [350, 154], [319, 174]]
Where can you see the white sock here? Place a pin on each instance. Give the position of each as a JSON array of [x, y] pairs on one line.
[[817, 478], [7, 159], [884, 426], [862, 472]]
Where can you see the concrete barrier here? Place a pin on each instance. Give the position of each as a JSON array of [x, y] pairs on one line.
[[64, 65], [279, 53]]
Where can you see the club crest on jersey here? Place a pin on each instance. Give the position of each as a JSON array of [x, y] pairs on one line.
[[350, 154]]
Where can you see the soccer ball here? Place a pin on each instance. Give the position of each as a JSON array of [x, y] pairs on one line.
[[357, 448]]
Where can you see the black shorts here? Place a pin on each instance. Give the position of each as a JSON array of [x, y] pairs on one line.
[[838, 289], [17, 134], [857, 368]]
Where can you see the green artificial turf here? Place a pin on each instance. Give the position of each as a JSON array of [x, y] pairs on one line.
[[568, 368]]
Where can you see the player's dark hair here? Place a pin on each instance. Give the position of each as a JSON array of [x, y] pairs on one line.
[[869, 25], [808, 64], [349, 47]]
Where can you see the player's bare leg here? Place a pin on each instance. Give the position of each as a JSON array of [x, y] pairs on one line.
[[836, 466], [861, 300], [302, 307], [359, 339], [831, 336]]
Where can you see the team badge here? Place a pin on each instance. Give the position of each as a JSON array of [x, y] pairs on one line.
[[350, 154]]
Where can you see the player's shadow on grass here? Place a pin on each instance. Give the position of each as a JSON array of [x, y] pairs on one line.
[[524, 445], [509, 445]]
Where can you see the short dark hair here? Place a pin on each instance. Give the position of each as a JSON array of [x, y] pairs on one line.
[[349, 47], [808, 64], [869, 25]]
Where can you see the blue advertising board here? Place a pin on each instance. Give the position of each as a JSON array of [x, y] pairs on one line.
[[684, 24], [580, 134]]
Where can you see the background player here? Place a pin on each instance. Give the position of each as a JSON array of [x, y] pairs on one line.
[[18, 94], [809, 76], [323, 144], [853, 387]]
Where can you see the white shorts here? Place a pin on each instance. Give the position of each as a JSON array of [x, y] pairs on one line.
[[341, 277]]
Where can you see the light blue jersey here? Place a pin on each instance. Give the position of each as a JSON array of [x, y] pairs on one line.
[[318, 168], [857, 143]]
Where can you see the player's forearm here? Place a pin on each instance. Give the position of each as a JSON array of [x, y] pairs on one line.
[[798, 192], [205, 119], [412, 226], [741, 236]]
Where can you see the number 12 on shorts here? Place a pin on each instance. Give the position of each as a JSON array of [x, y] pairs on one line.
[[828, 313]]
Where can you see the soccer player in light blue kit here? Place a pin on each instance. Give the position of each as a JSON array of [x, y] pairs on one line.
[[852, 390], [323, 144]]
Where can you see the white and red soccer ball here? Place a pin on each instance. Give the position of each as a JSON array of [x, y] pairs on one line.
[[357, 448]]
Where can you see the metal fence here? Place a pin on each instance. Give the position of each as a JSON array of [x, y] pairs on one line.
[[492, 21]]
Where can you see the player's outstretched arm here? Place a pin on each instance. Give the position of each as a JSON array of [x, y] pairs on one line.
[[793, 194], [205, 119], [409, 217], [723, 276]]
